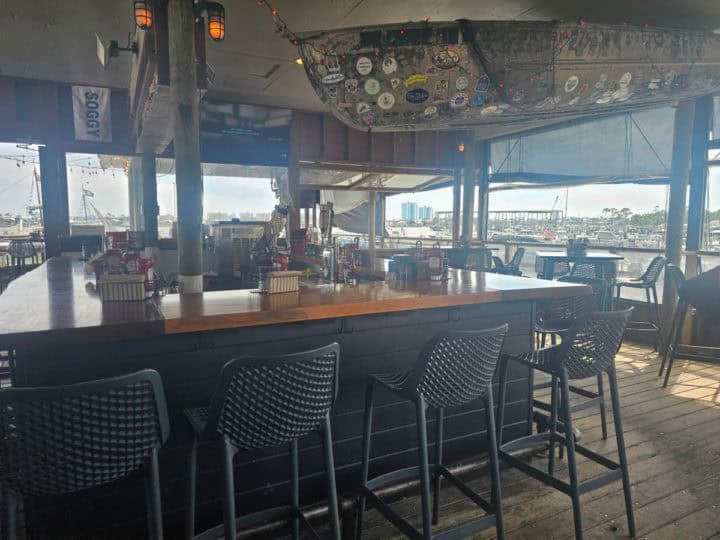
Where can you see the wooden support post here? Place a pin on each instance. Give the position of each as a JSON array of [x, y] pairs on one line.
[[131, 196], [457, 184], [372, 220], [56, 215], [469, 181], [483, 190], [383, 219], [698, 183], [185, 102], [149, 198], [682, 139]]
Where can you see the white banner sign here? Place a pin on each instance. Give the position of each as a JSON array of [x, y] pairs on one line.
[[91, 114]]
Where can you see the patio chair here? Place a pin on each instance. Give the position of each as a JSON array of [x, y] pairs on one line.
[[513, 267], [64, 439], [588, 350], [262, 403], [648, 282], [454, 368]]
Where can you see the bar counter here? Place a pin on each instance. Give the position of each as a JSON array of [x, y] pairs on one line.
[[56, 303], [61, 333]]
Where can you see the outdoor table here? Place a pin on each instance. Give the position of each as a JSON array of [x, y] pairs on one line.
[[551, 257]]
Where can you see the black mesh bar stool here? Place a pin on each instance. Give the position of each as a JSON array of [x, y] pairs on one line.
[[555, 319], [589, 349], [559, 269], [676, 278], [263, 403], [454, 368], [64, 439], [647, 282], [603, 270]]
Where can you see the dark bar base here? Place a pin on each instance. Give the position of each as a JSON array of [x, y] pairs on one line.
[[189, 365]]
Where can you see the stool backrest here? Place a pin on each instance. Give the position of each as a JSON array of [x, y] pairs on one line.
[[674, 277], [572, 306], [593, 340], [457, 367], [517, 257], [652, 273], [262, 402], [63, 439], [594, 270]]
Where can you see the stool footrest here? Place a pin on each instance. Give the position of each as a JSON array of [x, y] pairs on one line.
[[403, 526], [529, 441], [258, 518], [600, 481]]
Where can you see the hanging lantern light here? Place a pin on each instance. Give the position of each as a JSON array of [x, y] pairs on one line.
[[143, 14], [216, 21]]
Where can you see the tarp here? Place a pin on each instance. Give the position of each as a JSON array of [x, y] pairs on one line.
[[632, 147], [352, 211]]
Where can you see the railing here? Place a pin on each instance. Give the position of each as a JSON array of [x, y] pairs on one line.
[[633, 265]]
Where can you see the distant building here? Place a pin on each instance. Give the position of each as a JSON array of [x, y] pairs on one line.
[[409, 211], [425, 213]]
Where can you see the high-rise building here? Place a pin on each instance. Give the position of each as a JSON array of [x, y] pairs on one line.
[[409, 211], [425, 213]]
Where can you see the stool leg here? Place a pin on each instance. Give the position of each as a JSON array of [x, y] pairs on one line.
[[553, 424], [620, 437], [681, 309], [656, 305], [437, 478], [603, 414], [330, 474], [229, 495], [542, 340], [424, 472], [650, 307], [570, 443], [496, 498], [152, 495], [502, 383], [669, 343], [295, 488], [367, 433], [191, 487]]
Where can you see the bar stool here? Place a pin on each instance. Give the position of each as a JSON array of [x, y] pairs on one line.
[[454, 368], [676, 278], [64, 439], [263, 403], [647, 282], [555, 319], [603, 270], [589, 349]]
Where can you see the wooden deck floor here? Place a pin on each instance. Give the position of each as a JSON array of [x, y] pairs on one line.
[[673, 442]]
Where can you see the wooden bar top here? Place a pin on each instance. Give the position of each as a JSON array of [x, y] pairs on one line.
[[56, 303]]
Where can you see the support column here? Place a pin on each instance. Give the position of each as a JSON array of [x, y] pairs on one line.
[[457, 184], [149, 200], [131, 196], [469, 181], [186, 143], [53, 182], [679, 169], [372, 220], [698, 183], [483, 190]]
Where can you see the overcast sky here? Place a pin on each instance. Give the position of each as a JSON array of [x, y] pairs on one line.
[[240, 195]]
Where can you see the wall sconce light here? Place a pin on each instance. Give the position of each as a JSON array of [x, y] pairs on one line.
[[216, 20], [143, 14]]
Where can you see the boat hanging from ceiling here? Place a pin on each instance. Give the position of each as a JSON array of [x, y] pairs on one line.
[[463, 74]]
